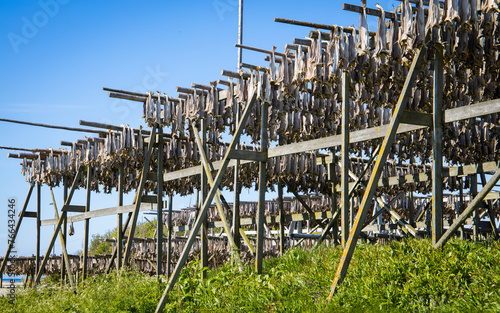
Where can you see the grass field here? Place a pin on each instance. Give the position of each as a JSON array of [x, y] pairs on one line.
[[408, 276]]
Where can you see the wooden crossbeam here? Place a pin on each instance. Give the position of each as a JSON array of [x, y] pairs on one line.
[[30, 214], [73, 208]]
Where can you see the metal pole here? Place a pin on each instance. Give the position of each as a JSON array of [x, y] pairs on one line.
[[345, 220], [437, 149]]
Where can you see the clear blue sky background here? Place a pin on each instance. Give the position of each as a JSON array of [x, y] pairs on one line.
[[56, 56]]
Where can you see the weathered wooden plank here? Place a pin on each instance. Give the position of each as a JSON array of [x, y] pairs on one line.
[[257, 156], [417, 118], [30, 214], [101, 213], [149, 199], [73, 208]]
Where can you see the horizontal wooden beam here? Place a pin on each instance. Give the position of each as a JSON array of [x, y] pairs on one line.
[[30, 214], [248, 155], [149, 199], [450, 115], [73, 208], [417, 118], [101, 213]]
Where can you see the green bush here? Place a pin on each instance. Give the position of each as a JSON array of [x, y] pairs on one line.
[[407, 276]]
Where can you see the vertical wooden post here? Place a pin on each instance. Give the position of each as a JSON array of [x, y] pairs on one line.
[[281, 217], [475, 216], [169, 223], [119, 241], [332, 176], [411, 210], [344, 192], [159, 204], [236, 188], [489, 208], [437, 149], [204, 192], [38, 224], [64, 229], [86, 227], [461, 206], [262, 190]]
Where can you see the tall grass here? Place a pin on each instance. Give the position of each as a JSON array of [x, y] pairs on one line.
[[408, 276]]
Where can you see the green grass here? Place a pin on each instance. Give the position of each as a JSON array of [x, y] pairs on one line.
[[408, 276]]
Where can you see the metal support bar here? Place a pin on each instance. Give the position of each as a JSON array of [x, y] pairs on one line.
[[206, 204], [377, 171], [473, 205]]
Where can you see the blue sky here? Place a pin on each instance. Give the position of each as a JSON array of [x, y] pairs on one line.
[[56, 55]]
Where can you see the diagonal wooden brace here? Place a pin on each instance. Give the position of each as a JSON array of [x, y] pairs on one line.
[[63, 244], [377, 171], [137, 201], [207, 168], [206, 204], [468, 211], [76, 181], [16, 230]]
